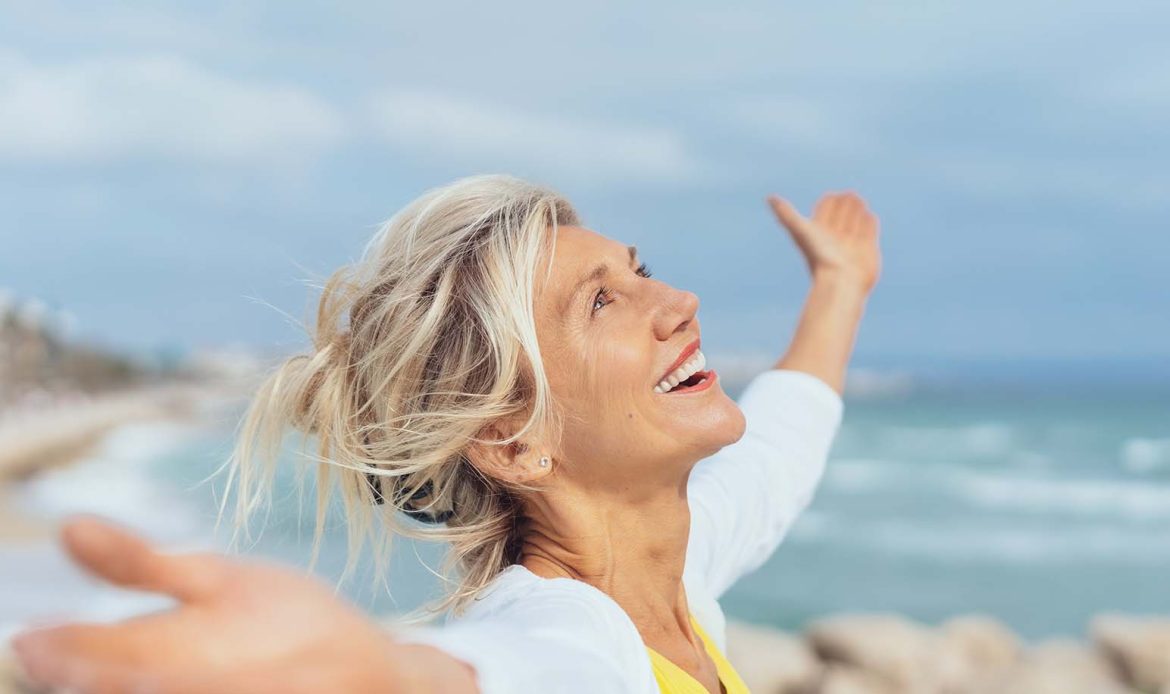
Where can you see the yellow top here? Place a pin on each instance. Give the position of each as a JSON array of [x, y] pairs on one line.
[[674, 680]]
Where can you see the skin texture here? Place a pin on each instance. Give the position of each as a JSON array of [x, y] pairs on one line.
[[239, 626]]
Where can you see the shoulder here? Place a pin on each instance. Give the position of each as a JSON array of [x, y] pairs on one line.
[[565, 616]]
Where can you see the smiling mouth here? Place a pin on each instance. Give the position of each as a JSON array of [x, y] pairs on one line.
[[687, 377], [698, 381]]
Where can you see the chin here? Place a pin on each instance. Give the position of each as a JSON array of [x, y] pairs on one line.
[[740, 424], [723, 430]]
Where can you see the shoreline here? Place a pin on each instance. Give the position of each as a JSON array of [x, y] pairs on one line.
[[34, 441]]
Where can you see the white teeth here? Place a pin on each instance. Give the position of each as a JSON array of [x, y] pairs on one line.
[[682, 373]]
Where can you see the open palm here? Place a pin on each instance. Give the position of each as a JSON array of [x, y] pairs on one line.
[[238, 626], [841, 238]]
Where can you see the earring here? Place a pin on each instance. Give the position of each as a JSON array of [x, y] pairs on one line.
[[544, 461]]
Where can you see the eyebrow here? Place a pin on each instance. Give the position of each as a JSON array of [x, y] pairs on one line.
[[595, 274]]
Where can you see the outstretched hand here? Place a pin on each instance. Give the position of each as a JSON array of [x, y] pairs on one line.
[[238, 626], [841, 239]]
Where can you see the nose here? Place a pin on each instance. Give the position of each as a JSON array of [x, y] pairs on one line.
[[675, 313]]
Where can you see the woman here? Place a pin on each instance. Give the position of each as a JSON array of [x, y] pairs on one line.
[[522, 386]]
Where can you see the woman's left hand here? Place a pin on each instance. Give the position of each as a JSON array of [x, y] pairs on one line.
[[841, 239]]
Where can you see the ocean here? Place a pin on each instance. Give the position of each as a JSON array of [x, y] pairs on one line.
[[1010, 491]]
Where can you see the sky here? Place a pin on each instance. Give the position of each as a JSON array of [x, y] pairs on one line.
[[181, 176]]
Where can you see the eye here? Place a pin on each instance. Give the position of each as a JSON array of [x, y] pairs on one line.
[[605, 293]]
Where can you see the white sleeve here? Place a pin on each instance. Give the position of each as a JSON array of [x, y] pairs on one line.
[[744, 498], [563, 646]]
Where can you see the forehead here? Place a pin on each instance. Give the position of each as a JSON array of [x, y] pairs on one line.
[[578, 246]]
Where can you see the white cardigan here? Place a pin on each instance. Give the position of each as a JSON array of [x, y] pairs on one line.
[[527, 633]]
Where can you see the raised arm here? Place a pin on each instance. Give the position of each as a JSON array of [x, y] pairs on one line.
[[840, 246], [746, 497]]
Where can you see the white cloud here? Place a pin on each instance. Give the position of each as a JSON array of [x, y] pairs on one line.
[[484, 134], [160, 107]]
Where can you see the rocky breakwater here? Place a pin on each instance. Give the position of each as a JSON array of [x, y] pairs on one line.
[[889, 654]]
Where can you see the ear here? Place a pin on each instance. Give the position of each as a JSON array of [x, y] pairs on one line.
[[518, 461]]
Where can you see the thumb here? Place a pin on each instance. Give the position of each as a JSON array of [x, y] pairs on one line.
[[123, 558], [792, 220]]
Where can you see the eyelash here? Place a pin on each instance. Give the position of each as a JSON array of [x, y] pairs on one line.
[[604, 292]]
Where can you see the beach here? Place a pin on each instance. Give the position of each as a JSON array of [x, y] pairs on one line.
[[883, 586]]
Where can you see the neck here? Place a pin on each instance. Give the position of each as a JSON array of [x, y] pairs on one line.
[[634, 551]]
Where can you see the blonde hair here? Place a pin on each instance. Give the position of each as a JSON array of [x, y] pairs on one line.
[[417, 346]]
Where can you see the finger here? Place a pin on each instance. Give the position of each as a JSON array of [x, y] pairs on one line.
[[854, 210], [835, 209], [98, 658], [119, 556], [821, 211], [106, 551], [867, 221], [787, 214], [80, 656]]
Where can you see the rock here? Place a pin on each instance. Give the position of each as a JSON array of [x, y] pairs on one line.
[[771, 661], [949, 671], [982, 648], [906, 656], [842, 679], [1138, 647], [1055, 667], [985, 643]]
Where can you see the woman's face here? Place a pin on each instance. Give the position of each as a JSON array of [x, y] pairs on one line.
[[608, 338]]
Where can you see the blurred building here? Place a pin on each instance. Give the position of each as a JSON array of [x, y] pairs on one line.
[[38, 361]]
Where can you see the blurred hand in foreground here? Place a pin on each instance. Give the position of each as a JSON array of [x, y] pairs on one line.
[[841, 239], [238, 627]]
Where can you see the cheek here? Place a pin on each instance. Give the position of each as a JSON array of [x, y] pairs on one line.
[[607, 387], [619, 378]]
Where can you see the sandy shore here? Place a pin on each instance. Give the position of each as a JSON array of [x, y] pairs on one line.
[[36, 440]]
